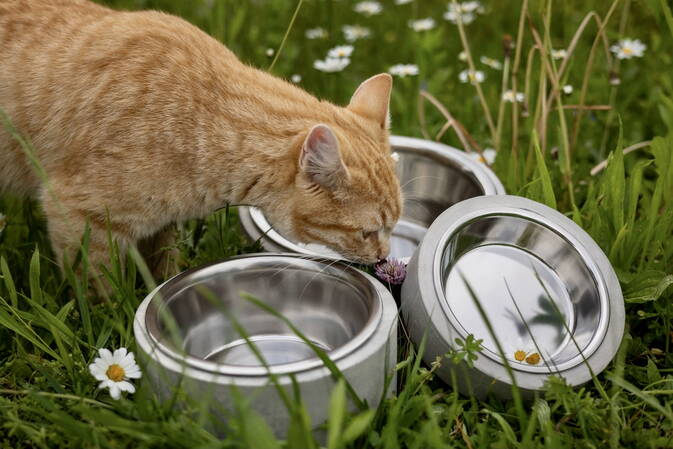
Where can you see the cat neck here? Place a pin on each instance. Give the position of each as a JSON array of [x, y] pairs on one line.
[[255, 137]]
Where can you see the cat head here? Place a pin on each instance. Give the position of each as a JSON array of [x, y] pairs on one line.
[[346, 193]]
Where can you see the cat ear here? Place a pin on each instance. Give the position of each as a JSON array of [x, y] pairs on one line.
[[372, 99], [320, 158]]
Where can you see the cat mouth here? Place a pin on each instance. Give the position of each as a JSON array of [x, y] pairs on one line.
[[364, 260]]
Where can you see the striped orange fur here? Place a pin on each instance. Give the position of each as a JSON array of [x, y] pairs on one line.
[[141, 120]]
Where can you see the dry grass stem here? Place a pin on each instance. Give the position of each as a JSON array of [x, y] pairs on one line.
[[630, 149], [466, 140], [470, 64]]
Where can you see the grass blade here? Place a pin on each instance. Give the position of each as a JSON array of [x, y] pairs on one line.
[[337, 413], [615, 184], [34, 278], [643, 396], [357, 426], [9, 282], [22, 329], [548, 196]]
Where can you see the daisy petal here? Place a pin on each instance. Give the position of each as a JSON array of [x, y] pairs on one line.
[[134, 373], [98, 375], [101, 364], [93, 369], [128, 361], [115, 392], [105, 354], [132, 365], [126, 386], [119, 354]]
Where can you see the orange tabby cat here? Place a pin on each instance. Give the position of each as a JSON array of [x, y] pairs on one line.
[[140, 120]]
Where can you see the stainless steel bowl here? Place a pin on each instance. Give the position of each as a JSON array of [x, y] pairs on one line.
[[433, 177], [543, 284], [190, 337]]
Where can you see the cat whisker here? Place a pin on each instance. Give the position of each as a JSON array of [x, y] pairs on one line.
[[415, 200], [439, 178], [289, 265], [322, 270]]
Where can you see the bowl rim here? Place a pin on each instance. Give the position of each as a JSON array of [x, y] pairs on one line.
[[603, 345], [147, 316], [256, 224]]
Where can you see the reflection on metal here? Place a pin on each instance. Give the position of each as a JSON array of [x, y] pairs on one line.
[[543, 284], [337, 308], [197, 330]]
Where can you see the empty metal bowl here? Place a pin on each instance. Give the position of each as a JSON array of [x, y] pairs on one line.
[[433, 177], [510, 270], [198, 330]]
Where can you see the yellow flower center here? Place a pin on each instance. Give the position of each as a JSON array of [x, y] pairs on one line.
[[115, 372], [520, 355], [533, 359], [627, 50]]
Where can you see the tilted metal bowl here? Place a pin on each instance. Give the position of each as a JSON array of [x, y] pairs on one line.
[[188, 332], [544, 286], [433, 177]]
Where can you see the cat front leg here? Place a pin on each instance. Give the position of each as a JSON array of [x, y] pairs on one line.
[[161, 253], [67, 224]]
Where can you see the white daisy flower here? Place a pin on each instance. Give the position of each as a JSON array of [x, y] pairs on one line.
[[3, 222], [355, 32], [422, 24], [567, 89], [114, 371], [559, 54], [490, 62], [462, 56], [340, 51], [316, 33], [296, 78], [509, 96], [472, 6], [515, 345], [474, 77], [403, 70], [331, 65], [369, 8], [452, 16], [628, 48], [466, 11], [403, 2], [486, 157], [270, 52]]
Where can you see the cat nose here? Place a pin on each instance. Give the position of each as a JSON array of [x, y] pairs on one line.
[[382, 253]]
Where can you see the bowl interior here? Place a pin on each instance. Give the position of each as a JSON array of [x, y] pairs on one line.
[[331, 306], [431, 183], [535, 288]]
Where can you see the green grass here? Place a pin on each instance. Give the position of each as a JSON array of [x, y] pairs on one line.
[[50, 329]]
